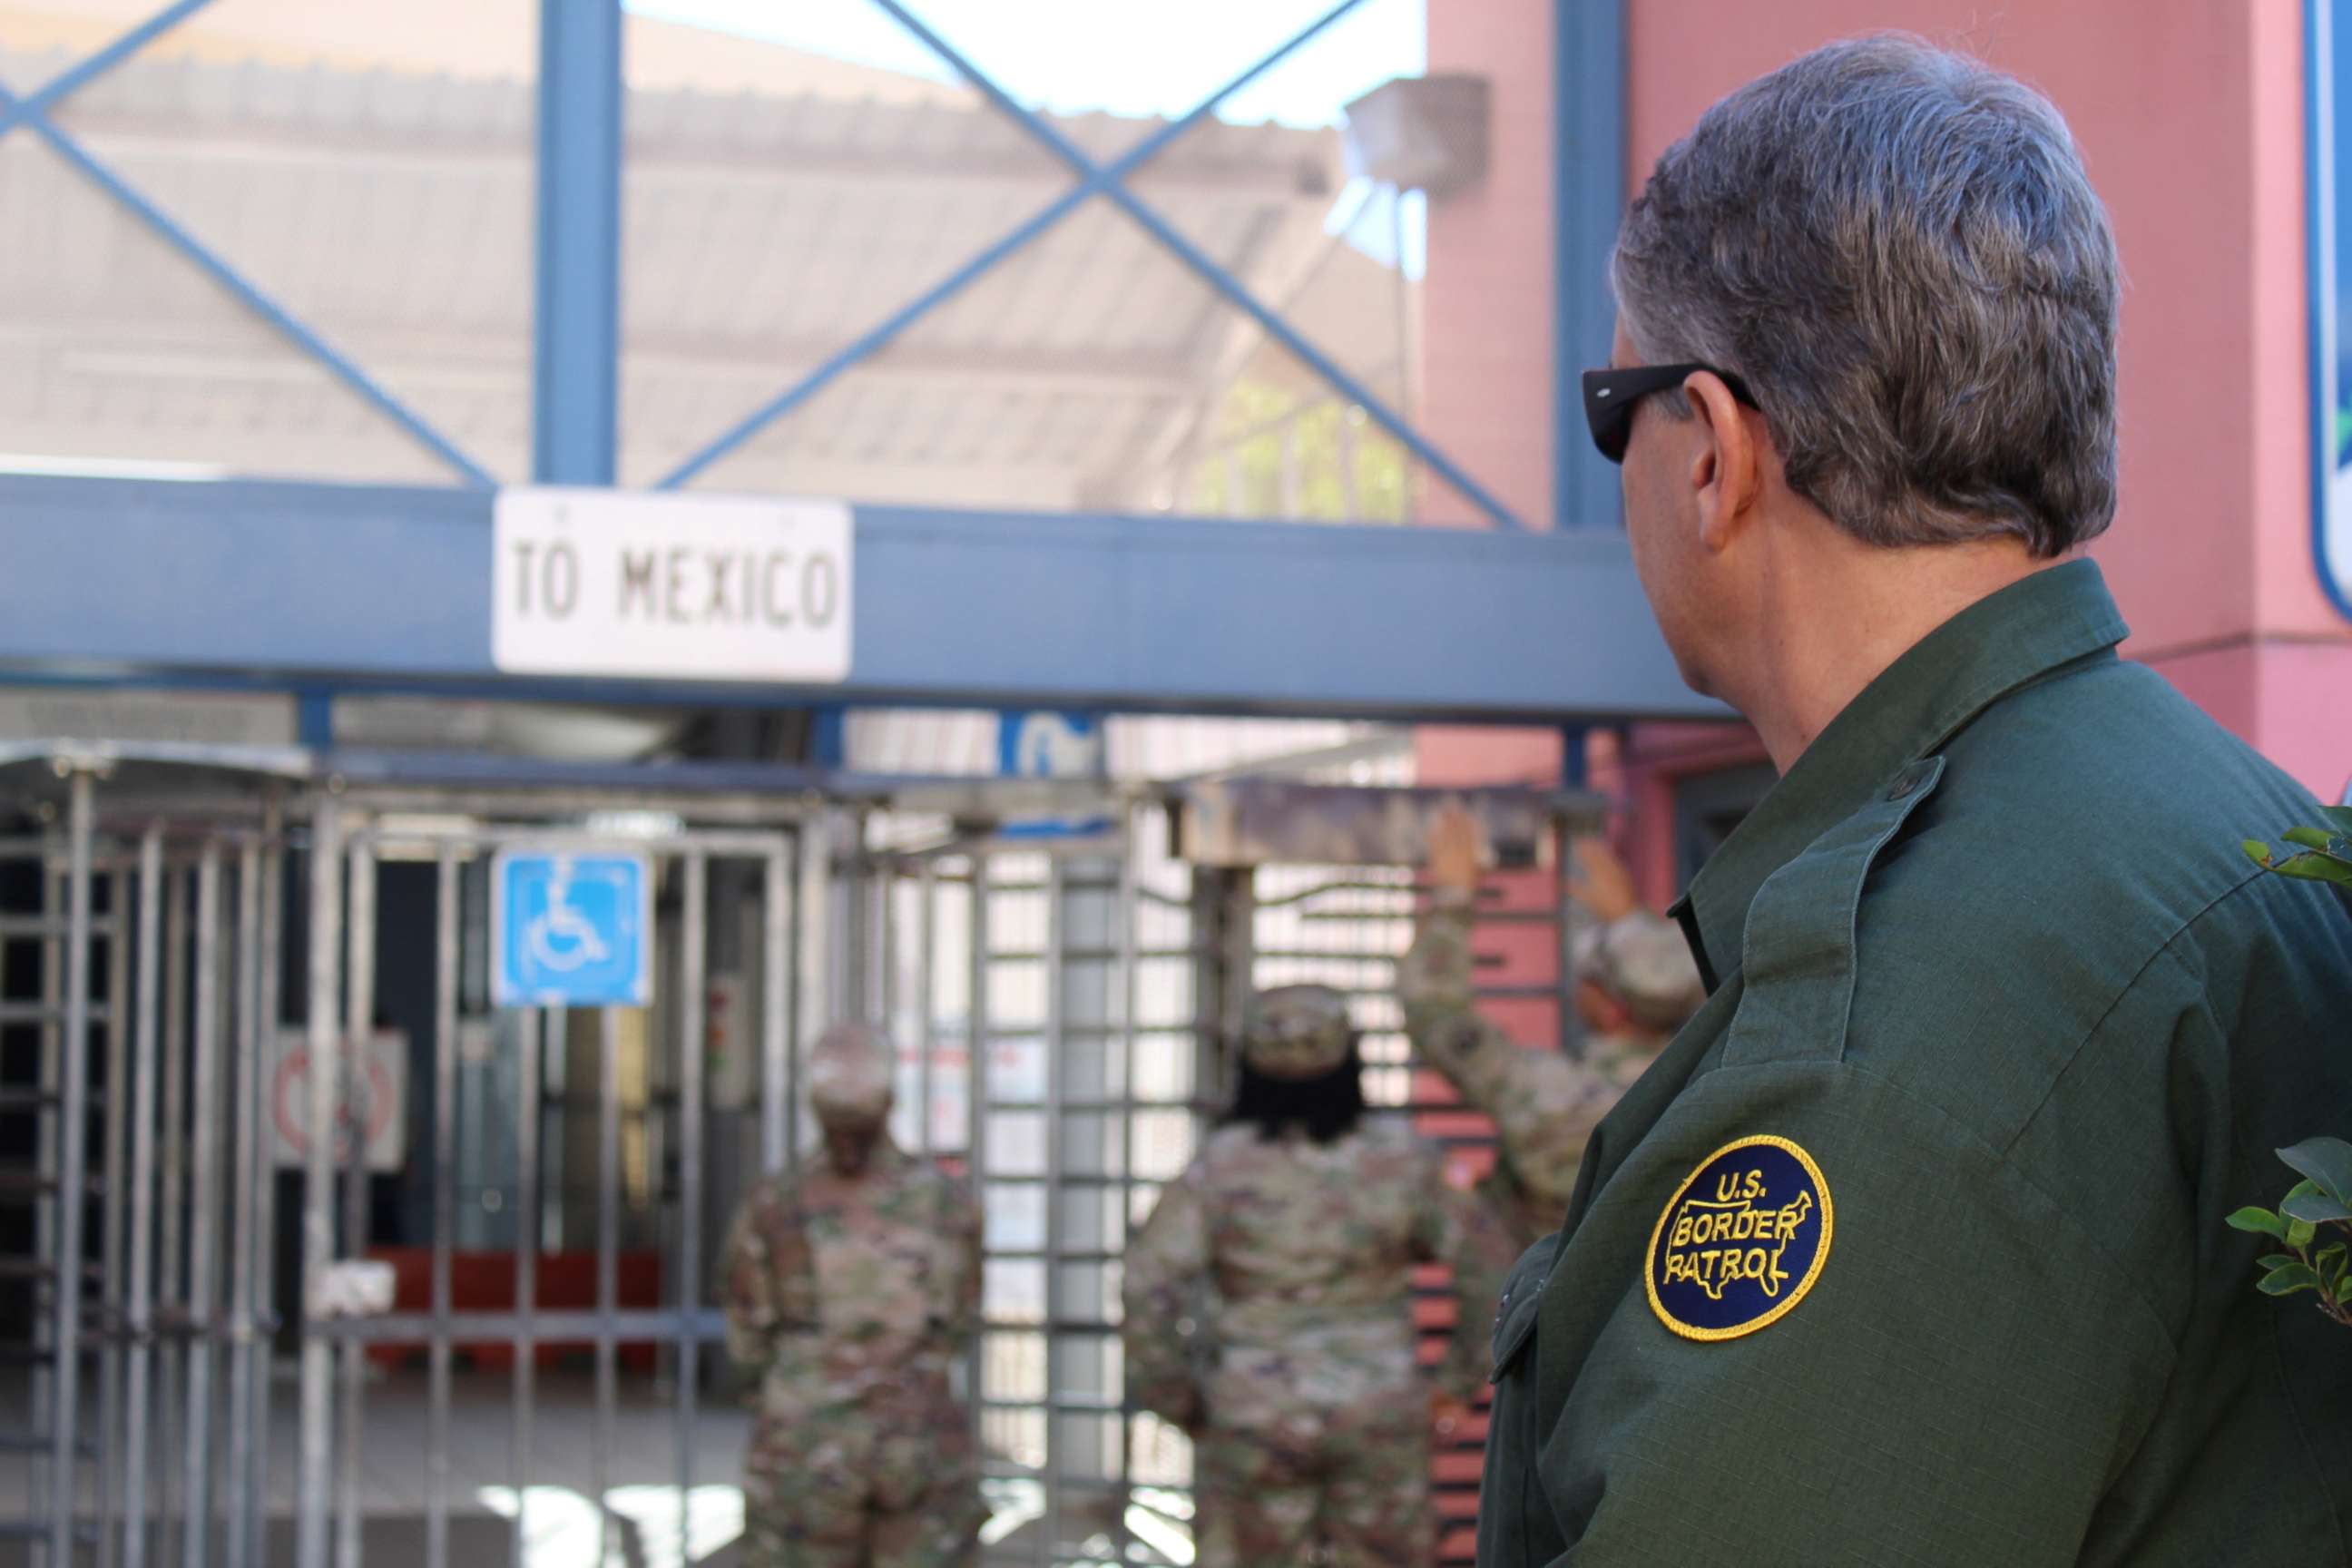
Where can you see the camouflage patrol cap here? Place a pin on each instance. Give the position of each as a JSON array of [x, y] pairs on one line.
[[1297, 1031], [850, 1072]]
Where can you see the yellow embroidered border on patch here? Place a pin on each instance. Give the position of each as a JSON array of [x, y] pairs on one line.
[[1741, 1241]]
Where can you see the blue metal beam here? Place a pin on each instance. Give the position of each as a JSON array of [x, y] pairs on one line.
[[367, 587], [868, 343], [577, 338], [1588, 200], [1206, 268]]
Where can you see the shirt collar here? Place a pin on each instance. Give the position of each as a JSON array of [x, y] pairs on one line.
[[2001, 642]]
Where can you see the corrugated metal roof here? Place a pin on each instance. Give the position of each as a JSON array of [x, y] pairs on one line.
[[392, 209]]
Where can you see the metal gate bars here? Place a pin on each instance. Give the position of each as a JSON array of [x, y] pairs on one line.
[[640, 1121], [141, 985], [137, 960]]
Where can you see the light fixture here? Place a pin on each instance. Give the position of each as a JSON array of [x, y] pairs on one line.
[[1422, 133]]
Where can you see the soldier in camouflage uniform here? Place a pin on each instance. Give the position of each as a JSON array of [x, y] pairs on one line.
[[852, 1287], [1636, 987], [1268, 1307]]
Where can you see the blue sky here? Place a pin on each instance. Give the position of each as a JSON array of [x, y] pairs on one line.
[[1126, 56]]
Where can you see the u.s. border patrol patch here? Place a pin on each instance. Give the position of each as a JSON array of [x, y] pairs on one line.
[[1741, 1241]]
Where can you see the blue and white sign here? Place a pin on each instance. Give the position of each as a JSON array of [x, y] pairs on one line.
[[1052, 743], [1048, 744], [571, 931]]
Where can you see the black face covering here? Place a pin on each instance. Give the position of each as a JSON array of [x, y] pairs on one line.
[[1323, 1108]]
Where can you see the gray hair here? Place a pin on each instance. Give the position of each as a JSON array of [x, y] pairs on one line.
[[1899, 249]]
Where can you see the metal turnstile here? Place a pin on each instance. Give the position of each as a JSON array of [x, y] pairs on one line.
[[205, 956]]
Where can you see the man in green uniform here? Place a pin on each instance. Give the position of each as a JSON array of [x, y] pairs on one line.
[[1637, 986], [1269, 1306], [1910, 1249], [852, 1287]]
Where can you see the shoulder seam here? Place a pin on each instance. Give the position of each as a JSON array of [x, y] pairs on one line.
[[2160, 950], [2002, 1156]]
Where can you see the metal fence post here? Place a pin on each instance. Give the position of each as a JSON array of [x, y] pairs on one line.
[[73, 1134], [445, 1199], [265, 1214], [319, 1175], [118, 1111], [358, 1039], [203, 1205], [245, 1250], [138, 1316], [692, 983]]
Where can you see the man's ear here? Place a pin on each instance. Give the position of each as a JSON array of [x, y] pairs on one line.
[[1726, 473]]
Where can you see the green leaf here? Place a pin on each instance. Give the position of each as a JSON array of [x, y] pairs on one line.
[[2307, 838], [2317, 1208], [2339, 817], [2313, 868], [2257, 851], [2299, 1232], [2270, 1260], [2286, 1281], [2261, 1221], [2327, 1162]]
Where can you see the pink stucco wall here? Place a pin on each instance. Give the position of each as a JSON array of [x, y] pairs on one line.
[[2189, 115], [1487, 301]]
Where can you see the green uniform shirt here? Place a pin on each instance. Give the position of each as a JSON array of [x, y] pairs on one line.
[[1910, 1250]]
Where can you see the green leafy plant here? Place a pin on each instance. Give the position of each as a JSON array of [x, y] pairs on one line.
[[2314, 1219], [2323, 854], [2313, 1223]]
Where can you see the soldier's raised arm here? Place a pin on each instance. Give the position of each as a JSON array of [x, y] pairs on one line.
[[766, 1275], [1167, 1269], [1434, 985]]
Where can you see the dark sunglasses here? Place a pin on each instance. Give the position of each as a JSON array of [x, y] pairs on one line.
[[1609, 397]]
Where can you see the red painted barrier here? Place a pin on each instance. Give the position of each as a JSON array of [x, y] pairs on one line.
[[484, 1282]]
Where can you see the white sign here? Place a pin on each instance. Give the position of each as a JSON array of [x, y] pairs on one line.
[[591, 581], [375, 1093]]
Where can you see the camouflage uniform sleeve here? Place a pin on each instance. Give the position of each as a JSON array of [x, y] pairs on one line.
[[1441, 1016], [1469, 1237], [763, 1272], [1644, 961], [1167, 1268]]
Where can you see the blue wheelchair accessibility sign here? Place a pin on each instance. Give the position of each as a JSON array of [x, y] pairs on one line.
[[571, 931]]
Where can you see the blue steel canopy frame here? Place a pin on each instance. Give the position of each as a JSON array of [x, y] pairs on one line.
[[1109, 182], [1583, 651], [32, 112], [1588, 198], [279, 585], [577, 351], [576, 329]]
